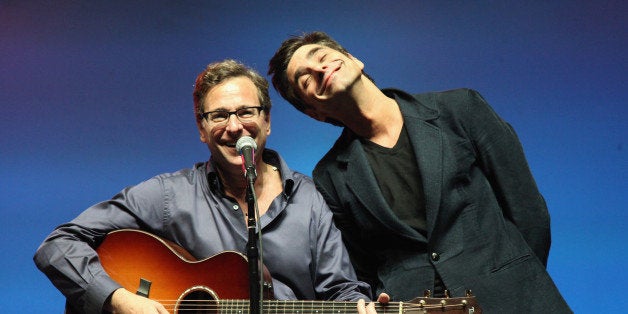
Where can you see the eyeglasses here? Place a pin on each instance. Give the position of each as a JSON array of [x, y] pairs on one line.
[[246, 114]]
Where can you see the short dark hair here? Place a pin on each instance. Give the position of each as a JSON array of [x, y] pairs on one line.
[[279, 63], [218, 72]]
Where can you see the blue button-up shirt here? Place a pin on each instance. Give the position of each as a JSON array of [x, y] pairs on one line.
[[302, 248]]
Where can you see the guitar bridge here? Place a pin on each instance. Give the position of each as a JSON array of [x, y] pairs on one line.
[[144, 288]]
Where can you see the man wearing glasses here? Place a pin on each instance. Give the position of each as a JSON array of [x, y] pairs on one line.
[[203, 209]]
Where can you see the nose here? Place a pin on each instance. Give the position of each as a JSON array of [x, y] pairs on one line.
[[234, 124], [320, 67], [317, 70], [313, 66]]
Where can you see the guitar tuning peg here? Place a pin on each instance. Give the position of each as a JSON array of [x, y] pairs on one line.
[[427, 293], [446, 293]]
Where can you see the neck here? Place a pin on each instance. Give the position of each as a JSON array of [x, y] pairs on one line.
[[373, 115], [235, 184]]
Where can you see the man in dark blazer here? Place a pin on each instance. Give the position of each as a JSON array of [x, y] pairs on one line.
[[431, 191]]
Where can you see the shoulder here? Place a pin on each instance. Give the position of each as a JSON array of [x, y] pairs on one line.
[[453, 99], [179, 179], [302, 182], [333, 157], [185, 174], [434, 98], [302, 190], [454, 106], [457, 93], [436, 104], [292, 180]]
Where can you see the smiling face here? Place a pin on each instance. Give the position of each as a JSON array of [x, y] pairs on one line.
[[230, 95], [320, 74]]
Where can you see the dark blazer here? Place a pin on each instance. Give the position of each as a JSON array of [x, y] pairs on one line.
[[488, 227]]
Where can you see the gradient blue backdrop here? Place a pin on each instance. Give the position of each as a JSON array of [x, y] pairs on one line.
[[96, 95]]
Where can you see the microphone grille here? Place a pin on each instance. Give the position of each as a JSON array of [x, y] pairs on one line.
[[245, 141]]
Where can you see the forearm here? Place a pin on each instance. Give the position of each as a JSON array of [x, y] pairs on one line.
[[81, 280], [69, 259], [338, 278]]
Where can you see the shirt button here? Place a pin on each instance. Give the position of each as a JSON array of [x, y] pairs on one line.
[[435, 256], [236, 207]]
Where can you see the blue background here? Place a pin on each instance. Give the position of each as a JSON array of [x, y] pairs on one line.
[[96, 95]]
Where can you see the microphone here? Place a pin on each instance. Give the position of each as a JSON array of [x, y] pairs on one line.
[[246, 146]]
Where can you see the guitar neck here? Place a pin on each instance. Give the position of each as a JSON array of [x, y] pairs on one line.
[[450, 305], [302, 307]]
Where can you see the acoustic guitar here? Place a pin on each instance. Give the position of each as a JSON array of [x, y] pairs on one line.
[[165, 272]]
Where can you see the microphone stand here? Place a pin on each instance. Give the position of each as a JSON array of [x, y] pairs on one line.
[[252, 249]]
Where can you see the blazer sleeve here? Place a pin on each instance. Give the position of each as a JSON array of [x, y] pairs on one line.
[[503, 162]]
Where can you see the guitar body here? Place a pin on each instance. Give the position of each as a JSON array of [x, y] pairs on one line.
[[165, 272], [131, 255]]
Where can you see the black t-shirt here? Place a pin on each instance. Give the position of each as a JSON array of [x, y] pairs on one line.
[[399, 179]]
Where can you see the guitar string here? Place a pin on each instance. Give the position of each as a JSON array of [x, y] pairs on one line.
[[239, 305], [320, 311]]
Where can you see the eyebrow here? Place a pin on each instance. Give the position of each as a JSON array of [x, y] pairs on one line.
[[242, 106], [300, 71]]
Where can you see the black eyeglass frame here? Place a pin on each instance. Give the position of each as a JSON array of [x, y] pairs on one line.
[[206, 115]]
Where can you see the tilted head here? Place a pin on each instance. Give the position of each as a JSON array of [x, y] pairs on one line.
[[278, 64]]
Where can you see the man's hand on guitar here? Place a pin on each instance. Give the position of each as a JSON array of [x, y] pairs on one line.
[[123, 301], [363, 308]]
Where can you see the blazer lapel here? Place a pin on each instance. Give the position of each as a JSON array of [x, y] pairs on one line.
[[368, 193], [427, 143]]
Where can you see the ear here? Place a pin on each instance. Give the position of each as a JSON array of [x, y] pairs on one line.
[[202, 135], [356, 60], [203, 138]]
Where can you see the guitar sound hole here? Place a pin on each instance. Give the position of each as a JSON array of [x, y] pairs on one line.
[[197, 300]]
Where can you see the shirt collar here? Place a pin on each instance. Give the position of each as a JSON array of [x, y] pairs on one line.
[[269, 156]]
